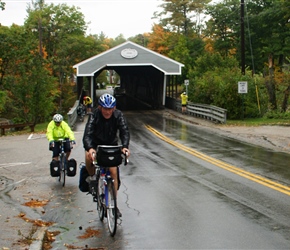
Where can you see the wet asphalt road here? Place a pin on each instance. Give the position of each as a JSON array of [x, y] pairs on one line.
[[170, 198]]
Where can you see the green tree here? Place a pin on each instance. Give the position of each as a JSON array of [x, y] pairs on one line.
[[181, 16], [2, 5], [57, 28], [216, 82], [267, 39], [28, 85], [223, 26]]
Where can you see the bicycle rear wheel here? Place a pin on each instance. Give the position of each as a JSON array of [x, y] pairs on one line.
[[111, 205]]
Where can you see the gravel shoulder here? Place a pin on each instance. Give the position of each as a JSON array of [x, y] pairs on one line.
[[272, 137]]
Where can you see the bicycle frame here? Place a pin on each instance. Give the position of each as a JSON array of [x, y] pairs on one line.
[[63, 162], [104, 194]]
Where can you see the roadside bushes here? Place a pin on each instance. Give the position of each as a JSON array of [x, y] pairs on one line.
[[216, 83]]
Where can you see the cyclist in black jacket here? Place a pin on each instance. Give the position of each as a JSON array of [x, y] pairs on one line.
[[102, 129]]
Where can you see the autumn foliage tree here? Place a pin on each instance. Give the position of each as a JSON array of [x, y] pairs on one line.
[[26, 85]]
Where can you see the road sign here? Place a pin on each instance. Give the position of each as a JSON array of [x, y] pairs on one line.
[[243, 87], [186, 82]]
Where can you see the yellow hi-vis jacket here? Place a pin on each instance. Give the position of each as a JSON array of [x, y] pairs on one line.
[[54, 133], [183, 99]]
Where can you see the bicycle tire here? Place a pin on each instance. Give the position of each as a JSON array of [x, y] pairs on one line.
[[111, 207], [100, 198], [62, 169]]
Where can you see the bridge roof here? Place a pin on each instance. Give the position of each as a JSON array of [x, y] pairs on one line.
[[128, 54]]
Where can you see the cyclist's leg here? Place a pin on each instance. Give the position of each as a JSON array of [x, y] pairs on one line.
[[114, 175], [89, 109], [89, 166], [55, 151], [67, 148]]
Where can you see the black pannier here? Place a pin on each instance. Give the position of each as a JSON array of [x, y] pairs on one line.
[[71, 167], [109, 156], [54, 168], [83, 184]]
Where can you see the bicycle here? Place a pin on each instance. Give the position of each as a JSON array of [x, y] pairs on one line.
[[102, 189], [81, 111], [63, 163]]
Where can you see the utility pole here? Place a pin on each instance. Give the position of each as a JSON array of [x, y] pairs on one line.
[[243, 36]]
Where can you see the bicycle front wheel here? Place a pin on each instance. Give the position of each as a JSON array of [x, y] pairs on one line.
[[62, 169], [100, 198], [111, 205]]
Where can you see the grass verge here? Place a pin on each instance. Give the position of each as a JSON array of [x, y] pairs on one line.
[[259, 122]]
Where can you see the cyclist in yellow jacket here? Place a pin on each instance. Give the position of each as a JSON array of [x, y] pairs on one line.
[[88, 103], [59, 129], [184, 98]]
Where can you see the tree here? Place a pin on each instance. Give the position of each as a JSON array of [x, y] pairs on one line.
[[181, 16], [267, 38], [158, 40], [273, 47], [216, 82], [57, 27], [2, 5], [223, 27], [141, 39], [28, 85]]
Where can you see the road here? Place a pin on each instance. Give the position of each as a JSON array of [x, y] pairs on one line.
[[184, 188]]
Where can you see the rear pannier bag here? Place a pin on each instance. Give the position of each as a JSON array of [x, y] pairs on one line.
[[83, 184], [71, 167], [109, 156], [54, 168]]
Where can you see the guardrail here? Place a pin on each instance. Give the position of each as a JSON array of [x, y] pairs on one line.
[[18, 126], [72, 115], [208, 112]]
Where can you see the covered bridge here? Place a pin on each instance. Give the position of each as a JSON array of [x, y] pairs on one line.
[[146, 77]]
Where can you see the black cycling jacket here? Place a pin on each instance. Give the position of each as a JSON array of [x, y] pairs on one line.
[[101, 131]]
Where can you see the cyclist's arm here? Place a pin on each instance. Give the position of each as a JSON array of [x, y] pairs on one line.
[[69, 133], [123, 131], [88, 134], [49, 131]]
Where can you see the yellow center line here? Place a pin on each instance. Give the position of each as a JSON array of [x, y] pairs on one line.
[[248, 175]]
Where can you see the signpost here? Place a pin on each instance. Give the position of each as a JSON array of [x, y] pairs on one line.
[[243, 89], [186, 83]]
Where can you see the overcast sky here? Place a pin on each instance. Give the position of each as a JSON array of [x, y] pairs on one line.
[[113, 17]]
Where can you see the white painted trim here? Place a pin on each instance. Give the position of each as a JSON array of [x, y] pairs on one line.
[[164, 90], [92, 90]]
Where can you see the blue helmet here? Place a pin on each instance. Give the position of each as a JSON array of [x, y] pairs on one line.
[[107, 101]]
